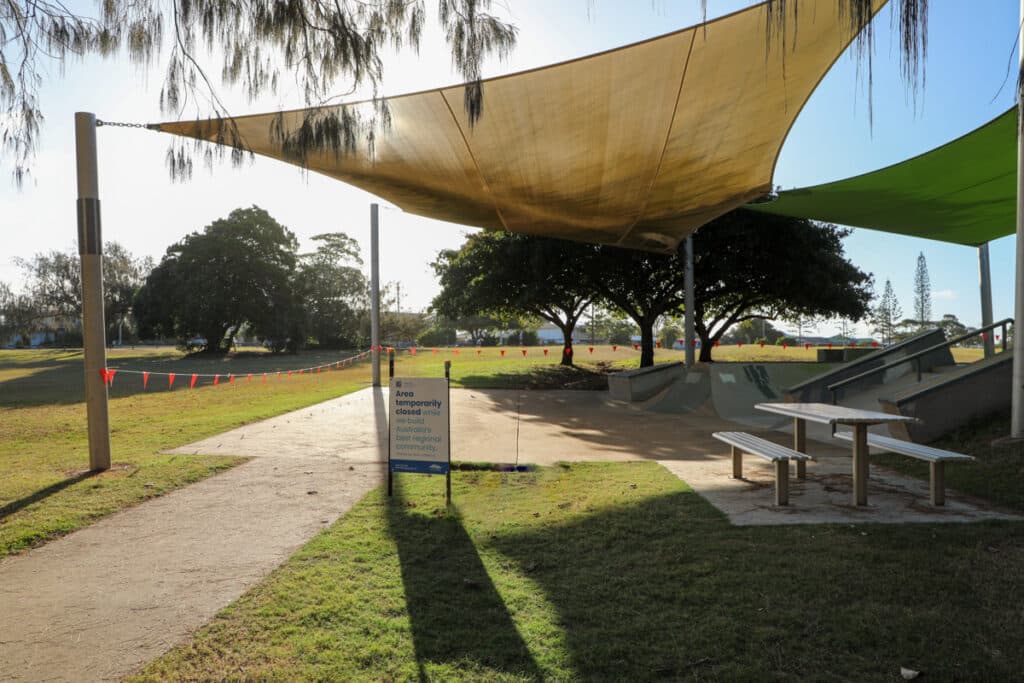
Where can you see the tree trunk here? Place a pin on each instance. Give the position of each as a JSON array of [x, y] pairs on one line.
[[646, 344], [706, 344], [567, 351]]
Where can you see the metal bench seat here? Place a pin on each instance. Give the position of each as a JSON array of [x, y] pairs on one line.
[[935, 457], [741, 443]]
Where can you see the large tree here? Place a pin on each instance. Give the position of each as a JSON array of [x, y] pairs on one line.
[[511, 275], [750, 265], [922, 293], [54, 280], [886, 314], [640, 284], [19, 315], [333, 290], [238, 270]]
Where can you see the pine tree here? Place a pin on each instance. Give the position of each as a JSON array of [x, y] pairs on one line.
[[886, 314], [922, 293]]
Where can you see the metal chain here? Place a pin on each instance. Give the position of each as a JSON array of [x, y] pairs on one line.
[[121, 125]]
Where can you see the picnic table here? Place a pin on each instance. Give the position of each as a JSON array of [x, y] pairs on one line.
[[825, 413]]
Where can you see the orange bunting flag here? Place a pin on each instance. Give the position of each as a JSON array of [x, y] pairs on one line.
[[456, 352], [997, 337], [191, 384], [830, 345], [216, 380], [807, 346], [503, 353], [636, 347], [103, 375], [170, 381], [739, 345], [264, 378], [300, 370], [658, 344], [762, 345], [984, 336], [568, 351], [785, 346], [614, 347], [874, 344], [852, 344], [694, 342], [289, 373], [682, 342], [716, 343], [478, 352], [412, 351], [591, 349], [279, 374], [145, 379], [390, 350], [249, 379], [545, 352], [524, 352], [231, 379]]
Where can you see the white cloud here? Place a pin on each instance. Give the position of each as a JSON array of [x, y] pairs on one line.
[[944, 294]]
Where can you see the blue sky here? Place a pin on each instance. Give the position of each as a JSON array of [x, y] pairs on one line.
[[970, 46]]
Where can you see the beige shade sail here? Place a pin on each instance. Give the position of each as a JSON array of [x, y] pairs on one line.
[[638, 146]]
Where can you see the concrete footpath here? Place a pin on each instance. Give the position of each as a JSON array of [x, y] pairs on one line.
[[102, 601]]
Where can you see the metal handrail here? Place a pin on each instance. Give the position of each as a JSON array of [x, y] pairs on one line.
[[917, 356]]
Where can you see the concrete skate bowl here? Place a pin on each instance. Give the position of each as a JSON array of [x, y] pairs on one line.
[[730, 390]]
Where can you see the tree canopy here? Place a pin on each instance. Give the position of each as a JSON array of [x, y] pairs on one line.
[[509, 275], [238, 270], [749, 265]]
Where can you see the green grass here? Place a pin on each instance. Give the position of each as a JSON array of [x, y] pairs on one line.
[[618, 572], [46, 490], [997, 474]]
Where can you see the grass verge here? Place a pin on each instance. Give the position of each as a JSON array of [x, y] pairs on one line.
[[46, 490], [614, 571]]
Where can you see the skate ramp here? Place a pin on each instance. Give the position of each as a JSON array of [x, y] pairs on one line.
[[730, 390]]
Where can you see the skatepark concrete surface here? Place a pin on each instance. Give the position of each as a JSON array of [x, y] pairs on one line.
[[101, 602], [546, 427]]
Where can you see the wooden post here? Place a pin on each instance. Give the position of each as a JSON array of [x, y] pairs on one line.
[[375, 293], [937, 484], [782, 482], [94, 334], [860, 464], [800, 445], [737, 463]]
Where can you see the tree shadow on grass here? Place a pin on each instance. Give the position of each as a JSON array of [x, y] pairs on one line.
[[21, 503], [456, 614], [666, 589]]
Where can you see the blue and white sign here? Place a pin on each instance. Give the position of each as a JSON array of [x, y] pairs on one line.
[[419, 424]]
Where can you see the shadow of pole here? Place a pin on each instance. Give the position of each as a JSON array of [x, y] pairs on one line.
[[456, 614], [21, 503]]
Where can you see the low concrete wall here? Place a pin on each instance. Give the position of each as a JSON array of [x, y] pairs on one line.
[[815, 390], [968, 393], [640, 385]]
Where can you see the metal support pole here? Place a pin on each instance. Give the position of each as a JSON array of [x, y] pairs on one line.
[[1017, 391], [985, 280], [375, 292], [688, 320], [90, 249]]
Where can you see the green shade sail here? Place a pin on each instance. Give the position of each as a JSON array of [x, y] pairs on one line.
[[964, 192]]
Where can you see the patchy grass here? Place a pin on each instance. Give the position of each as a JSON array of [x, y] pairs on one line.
[[614, 572], [998, 473], [46, 490]]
